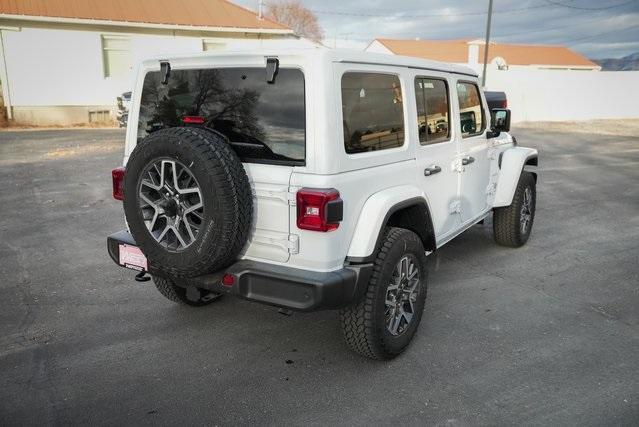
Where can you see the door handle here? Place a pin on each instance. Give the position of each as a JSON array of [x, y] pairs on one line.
[[432, 170], [467, 160]]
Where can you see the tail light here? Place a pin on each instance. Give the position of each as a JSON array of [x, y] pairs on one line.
[[319, 209], [195, 120], [118, 183], [504, 104], [228, 280]]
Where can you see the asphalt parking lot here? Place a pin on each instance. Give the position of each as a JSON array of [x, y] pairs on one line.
[[547, 334]]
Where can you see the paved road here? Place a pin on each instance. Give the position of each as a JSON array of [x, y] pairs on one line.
[[546, 334]]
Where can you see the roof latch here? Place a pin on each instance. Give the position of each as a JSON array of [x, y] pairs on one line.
[[165, 69], [272, 67]]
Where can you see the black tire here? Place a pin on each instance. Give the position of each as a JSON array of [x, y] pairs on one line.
[[225, 192], [192, 296], [364, 323], [508, 229]]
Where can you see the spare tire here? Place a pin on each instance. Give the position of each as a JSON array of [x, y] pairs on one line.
[[187, 201]]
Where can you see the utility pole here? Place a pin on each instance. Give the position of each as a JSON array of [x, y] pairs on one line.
[[490, 15], [260, 9]]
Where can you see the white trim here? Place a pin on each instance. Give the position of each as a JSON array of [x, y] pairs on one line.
[[144, 24], [4, 75], [561, 67], [214, 40]]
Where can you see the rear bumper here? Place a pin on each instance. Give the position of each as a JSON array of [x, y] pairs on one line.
[[292, 288]]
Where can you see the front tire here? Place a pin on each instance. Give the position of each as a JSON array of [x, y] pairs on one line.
[[383, 322], [512, 224], [195, 297]]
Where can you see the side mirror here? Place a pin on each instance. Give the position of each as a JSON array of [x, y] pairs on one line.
[[499, 121]]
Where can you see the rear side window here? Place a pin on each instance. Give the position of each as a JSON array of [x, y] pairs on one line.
[[373, 112], [431, 97], [471, 113], [264, 122]]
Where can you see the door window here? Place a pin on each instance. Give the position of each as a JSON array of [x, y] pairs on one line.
[[471, 113], [431, 97], [373, 112]]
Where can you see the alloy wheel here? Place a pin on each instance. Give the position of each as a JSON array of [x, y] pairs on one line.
[[171, 202], [525, 215], [401, 295]]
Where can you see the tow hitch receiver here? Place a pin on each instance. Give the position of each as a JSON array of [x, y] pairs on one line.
[[142, 277]]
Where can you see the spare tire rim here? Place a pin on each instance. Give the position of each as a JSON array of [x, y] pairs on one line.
[[401, 296], [171, 203], [525, 215]]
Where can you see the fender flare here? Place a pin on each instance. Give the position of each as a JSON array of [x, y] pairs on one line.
[[375, 214], [511, 165]]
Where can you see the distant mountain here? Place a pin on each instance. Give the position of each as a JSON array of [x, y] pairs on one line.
[[627, 63]]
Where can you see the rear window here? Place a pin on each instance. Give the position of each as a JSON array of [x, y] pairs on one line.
[[373, 112], [264, 122]]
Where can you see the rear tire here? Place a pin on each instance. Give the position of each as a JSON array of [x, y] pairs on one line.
[[195, 297], [371, 326], [512, 224]]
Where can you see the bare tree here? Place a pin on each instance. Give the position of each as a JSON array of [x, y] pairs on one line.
[[293, 14]]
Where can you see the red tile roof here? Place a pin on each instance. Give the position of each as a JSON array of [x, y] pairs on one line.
[[514, 54], [195, 13]]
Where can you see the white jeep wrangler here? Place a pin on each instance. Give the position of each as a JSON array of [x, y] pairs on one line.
[[313, 179]]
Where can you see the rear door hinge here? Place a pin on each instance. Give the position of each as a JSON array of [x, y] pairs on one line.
[[293, 244], [455, 207], [491, 188], [292, 195]]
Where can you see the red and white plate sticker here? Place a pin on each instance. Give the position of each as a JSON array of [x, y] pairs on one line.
[[132, 257]]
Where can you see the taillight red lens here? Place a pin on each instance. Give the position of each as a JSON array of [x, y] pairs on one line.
[[196, 120], [118, 183], [318, 209], [504, 104], [228, 280]]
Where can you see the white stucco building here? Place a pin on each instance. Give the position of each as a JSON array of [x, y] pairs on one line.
[[470, 52], [64, 62], [541, 82]]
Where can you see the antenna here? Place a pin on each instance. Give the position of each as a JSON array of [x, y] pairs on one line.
[[260, 9]]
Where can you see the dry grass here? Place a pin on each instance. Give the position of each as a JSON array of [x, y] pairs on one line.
[[94, 125], [616, 127], [80, 150]]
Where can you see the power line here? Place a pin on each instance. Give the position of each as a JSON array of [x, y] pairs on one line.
[[576, 24], [418, 32], [431, 15], [440, 15], [600, 34], [556, 3], [572, 41]]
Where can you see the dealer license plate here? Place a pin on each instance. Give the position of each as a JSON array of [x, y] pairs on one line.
[[132, 257]]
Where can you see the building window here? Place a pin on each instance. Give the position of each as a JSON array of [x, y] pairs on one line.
[[373, 112], [431, 97], [212, 44], [116, 55], [471, 113]]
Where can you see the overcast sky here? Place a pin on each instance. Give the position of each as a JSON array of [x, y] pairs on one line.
[[596, 28]]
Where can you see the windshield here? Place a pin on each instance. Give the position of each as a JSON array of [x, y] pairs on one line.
[[264, 122]]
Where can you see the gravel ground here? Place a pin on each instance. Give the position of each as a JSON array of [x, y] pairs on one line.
[[547, 334]]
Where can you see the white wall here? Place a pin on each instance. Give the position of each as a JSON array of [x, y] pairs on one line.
[[377, 47], [51, 67], [555, 95]]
